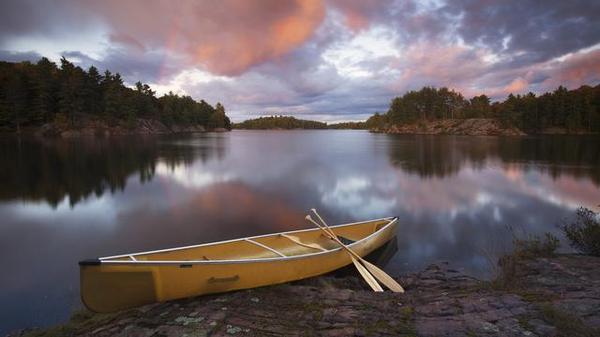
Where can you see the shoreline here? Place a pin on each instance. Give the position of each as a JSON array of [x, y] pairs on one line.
[[94, 127], [101, 128], [554, 296], [471, 127]]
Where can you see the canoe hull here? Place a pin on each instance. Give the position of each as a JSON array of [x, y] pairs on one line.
[[113, 287]]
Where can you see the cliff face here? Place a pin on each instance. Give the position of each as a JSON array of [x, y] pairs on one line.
[[467, 127]]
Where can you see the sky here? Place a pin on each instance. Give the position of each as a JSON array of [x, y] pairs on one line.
[[328, 60]]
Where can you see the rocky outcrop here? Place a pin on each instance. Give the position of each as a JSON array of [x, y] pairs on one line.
[[467, 127], [557, 297], [96, 127]]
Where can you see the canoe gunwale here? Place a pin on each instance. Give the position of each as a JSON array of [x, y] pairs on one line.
[[109, 259]]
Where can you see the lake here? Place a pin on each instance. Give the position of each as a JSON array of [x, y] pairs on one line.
[[64, 201]]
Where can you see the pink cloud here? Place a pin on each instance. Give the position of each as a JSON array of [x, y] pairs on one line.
[[226, 37], [358, 14], [574, 70]]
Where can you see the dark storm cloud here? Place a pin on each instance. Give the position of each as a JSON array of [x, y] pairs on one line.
[[152, 67], [273, 53], [43, 18], [23, 17], [529, 30], [15, 56]]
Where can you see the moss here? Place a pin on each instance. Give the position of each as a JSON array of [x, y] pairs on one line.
[[565, 323], [402, 328], [315, 309], [407, 312], [471, 333], [80, 320], [59, 331], [536, 296], [524, 323]]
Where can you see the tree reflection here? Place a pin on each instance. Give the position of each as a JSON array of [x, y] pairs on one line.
[[578, 156], [50, 170], [441, 156], [437, 156]]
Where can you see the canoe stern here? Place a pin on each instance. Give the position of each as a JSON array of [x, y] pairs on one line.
[[106, 288]]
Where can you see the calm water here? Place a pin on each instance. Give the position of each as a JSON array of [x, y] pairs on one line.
[[63, 201]]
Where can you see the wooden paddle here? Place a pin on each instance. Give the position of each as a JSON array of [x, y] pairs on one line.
[[379, 274], [361, 269]]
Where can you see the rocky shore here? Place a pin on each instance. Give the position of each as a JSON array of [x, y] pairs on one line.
[[97, 127], [557, 296], [466, 127]]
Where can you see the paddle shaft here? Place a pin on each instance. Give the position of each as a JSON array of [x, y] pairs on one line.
[[364, 272], [334, 237], [379, 274]]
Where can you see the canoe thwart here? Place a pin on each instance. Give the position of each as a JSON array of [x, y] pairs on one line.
[[265, 247]]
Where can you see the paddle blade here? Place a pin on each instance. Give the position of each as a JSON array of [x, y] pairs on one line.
[[366, 275], [383, 277]]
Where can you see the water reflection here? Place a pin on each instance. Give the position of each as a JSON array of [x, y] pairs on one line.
[[64, 201], [52, 170], [440, 156]]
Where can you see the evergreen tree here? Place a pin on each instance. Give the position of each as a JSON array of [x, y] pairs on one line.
[[219, 119], [44, 87], [16, 99], [33, 94], [71, 97], [93, 91]]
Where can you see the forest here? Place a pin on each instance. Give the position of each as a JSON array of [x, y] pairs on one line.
[[33, 94], [573, 110], [348, 125], [279, 122]]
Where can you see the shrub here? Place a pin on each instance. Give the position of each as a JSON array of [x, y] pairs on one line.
[[531, 247], [534, 246], [584, 233]]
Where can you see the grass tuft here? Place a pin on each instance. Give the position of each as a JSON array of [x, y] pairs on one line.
[[565, 323], [533, 246]]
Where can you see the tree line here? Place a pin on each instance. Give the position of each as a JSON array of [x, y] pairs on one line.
[[32, 94], [348, 125], [279, 122], [574, 110], [289, 122]]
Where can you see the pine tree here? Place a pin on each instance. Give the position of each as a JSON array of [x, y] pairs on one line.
[[44, 87]]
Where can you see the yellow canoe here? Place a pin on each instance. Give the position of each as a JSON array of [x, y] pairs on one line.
[[124, 281]]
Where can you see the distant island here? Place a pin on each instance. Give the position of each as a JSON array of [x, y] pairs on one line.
[[46, 99], [348, 125], [444, 111], [292, 123], [279, 122]]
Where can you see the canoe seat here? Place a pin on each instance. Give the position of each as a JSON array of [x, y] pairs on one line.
[[297, 241]]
